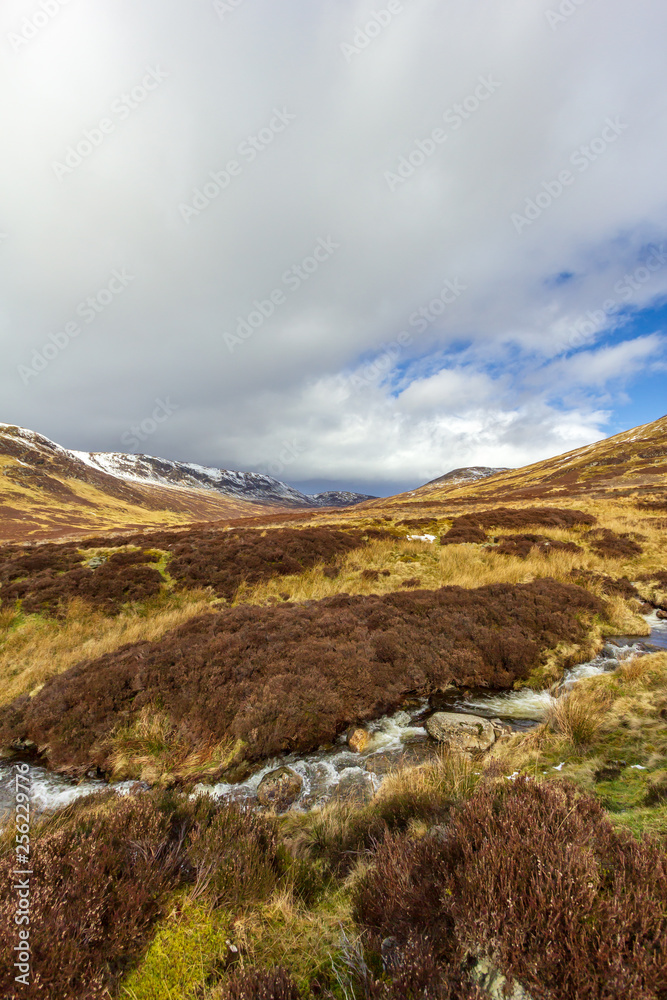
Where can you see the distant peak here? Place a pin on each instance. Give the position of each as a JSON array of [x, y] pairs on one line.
[[469, 474]]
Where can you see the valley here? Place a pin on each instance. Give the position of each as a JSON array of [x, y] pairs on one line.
[[273, 743]]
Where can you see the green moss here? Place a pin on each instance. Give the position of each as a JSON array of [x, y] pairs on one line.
[[623, 793], [186, 954]]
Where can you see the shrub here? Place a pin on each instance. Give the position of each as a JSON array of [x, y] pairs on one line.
[[658, 576], [612, 546], [463, 531], [291, 677], [101, 872], [607, 584], [45, 580], [47, 577], [569, 907], [254, 984], [522, 545]]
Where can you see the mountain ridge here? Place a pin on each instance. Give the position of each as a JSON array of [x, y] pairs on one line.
[[48, 491]]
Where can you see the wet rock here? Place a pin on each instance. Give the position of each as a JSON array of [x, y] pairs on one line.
[[358, 739], [500, 728], [460, 732], [609, 651], [280, 788], [662, 615]]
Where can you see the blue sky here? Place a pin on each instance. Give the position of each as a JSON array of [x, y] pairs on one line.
[[347, 251]]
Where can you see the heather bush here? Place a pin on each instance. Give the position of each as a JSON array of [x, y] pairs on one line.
[[610, 545], [224, 559], [521, 545], [236, 857], [102, 870], [568, 906], [291, 677], [254, 984], [464, 530], [46, 579], [607, 584]]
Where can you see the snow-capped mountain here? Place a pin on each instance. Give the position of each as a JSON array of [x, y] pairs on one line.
[[146, 470]]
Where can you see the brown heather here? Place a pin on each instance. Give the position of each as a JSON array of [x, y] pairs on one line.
[[610, 545], [292, 677], [521, 545], [46, 577], [102, 870], [568, 906]]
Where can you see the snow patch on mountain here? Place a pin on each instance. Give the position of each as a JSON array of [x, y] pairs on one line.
[[147, 470], [471, 474]]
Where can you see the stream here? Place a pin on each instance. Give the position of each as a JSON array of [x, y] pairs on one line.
[[336, 772]]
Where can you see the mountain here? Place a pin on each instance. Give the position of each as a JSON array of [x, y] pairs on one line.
[[630, 465], [470, 474], [250, 486], [47, 491]]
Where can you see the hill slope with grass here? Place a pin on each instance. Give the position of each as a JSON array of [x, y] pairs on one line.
[[49, 492], [628, 465], [178, 654]]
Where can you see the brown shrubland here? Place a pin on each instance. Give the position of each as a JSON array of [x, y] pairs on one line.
[[569, 906], [291, 677]]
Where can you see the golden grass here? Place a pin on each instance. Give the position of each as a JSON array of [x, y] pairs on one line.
[[620, 715], [34, 648], [467, 566], [448, 775], [151, 749]]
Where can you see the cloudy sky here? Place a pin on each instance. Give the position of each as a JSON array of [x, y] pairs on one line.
[[347, 243]]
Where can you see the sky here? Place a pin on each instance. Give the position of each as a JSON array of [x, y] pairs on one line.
[[351, 245]]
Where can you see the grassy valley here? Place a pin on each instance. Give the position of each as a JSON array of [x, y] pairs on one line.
[[170, 654]]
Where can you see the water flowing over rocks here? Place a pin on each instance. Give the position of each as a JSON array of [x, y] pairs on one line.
[[398, 740]]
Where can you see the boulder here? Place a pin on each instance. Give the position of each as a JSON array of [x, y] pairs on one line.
[[460, 732], [358, 739], [279, 789], [662, 614]]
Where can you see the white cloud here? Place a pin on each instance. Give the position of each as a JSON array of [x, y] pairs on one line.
[[507, 398]]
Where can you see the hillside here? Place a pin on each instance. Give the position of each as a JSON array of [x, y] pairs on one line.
[[470, 659], [47, 491], [631, 465]]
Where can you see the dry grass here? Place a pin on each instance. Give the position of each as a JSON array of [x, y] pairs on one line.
[[617, 716], [284, 933], [448, 776], [35, 648], [578, 716], [152, 750], [468, 566]]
